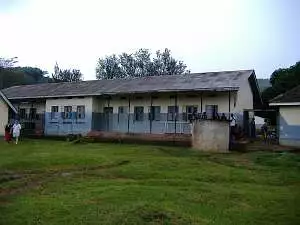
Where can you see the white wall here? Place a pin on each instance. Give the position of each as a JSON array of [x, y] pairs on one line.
[[74, 102], [163, 100], [244, 97], [3, 116], [291, 115]]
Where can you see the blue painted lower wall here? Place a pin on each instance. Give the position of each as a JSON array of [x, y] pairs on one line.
[[60, 126], [124, 123], [289, 134]]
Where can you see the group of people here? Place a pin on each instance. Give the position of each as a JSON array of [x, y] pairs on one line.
[[12, 131]]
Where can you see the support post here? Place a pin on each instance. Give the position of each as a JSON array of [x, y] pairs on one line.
[[128, 116], [229, 103], [151, 111], [201, 107], [176, 112]]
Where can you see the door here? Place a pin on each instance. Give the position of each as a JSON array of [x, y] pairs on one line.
[[108, 118]]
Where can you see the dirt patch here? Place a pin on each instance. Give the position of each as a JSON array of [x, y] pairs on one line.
[[34, 179]]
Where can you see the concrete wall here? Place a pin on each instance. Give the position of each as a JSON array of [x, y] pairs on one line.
[[3, 116], [289, 126], [211, 135], [61, 126]]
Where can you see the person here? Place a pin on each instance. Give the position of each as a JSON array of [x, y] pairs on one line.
[[232, 130], [7, 136], [16, 130], [264, 130], [252, 128]]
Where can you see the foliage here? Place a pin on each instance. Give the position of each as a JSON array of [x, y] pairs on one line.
[[53, 182], [8, 62], [139, 64], [282, 80], [66, 75], [11, 75]]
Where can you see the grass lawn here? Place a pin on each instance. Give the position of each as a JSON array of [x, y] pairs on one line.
[[54, 182]]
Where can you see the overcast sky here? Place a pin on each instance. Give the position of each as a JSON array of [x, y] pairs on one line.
[[208, 35]]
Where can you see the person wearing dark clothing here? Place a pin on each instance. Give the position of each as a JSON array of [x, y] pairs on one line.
[[7, 136]]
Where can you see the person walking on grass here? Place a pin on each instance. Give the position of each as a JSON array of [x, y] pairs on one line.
[[16, 130], [7, 136]]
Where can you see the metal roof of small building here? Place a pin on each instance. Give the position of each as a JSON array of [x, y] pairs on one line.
[[292, 96], [211, 81]]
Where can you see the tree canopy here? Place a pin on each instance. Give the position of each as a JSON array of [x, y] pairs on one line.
[[139, 64], [66, 75], [10, 75], [282, 80]]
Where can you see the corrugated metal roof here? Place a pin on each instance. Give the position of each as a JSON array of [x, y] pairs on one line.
[[289, 96], [218, 81]]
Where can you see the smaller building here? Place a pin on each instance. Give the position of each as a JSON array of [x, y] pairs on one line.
[[289, 117], [5, 108]]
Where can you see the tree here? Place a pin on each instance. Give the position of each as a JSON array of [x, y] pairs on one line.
[[11, 75], [139, 64], [7, 63], [282, 80], [66, 75]]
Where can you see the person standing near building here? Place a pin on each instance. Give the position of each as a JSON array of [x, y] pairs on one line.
[[16, 130]]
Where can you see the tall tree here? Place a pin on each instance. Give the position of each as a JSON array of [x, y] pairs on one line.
[[282, 80], [8, 62], [66, 75], [139, 64]]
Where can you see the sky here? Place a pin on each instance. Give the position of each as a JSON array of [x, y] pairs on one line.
[[208, 35]]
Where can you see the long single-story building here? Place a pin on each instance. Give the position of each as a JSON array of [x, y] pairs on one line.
[[289, 117], [154, 104]]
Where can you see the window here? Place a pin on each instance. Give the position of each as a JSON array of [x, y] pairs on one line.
[[54, 112], [139, 113], [122, 109], [211, 111], [80, 112], [190, 111], [172, 113], [154, 113], [32, 113], [22, 113], [68, 112]]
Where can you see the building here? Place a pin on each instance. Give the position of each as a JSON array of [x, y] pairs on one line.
[[289, 119], [5, 107], [154, 104]]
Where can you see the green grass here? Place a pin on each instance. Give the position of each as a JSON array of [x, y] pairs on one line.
[[54, 182]]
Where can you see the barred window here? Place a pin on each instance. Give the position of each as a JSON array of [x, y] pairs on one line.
[[172, 113], [68, 112], [139, 113], [80, 112], [54, 112], [154, 113]]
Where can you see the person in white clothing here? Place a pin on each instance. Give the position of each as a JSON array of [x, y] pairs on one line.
[[16, 130]]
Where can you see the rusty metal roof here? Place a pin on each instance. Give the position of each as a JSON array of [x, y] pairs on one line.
[[211, 81], [291, 96]]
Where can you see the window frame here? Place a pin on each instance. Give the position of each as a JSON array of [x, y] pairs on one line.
[[154, 115], [172, 115], [53, 113], [80, 115], [67, 115], [23, 114], [189, 115], [139, 115]]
